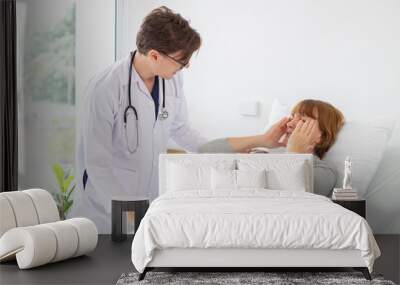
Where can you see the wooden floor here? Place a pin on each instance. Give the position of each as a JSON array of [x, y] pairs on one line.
[[110, 260], [102, 266]]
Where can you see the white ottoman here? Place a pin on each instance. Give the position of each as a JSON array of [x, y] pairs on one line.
[[31, 233]]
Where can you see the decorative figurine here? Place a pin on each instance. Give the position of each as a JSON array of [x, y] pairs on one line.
[[347, 174]]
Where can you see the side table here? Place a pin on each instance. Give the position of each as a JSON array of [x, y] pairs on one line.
[[357, 206], [122, 204]]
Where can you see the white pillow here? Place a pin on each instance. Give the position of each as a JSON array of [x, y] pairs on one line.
[[186, 174], [278, 111], [251, 178], [227, 179], [184, 177], [282, 174], [223, 179], [365, 143], [292, 179]]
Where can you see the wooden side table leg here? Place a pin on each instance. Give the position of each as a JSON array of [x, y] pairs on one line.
[[116, 221]]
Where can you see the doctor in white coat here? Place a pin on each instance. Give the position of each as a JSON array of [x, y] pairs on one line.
[[130, 111]]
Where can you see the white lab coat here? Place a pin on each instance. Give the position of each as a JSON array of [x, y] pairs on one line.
[[102, 148]]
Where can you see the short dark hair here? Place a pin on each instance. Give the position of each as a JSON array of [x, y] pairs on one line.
[[167, 32]]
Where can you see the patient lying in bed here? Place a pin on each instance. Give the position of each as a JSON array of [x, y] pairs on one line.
[[311, 128]]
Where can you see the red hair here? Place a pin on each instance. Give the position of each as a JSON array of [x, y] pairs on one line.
[[329, 118]]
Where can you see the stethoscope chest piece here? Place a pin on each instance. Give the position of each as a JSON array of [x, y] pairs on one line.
[[164, 115]]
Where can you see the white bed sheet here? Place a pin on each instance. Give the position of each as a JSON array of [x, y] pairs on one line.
[[251, 218]]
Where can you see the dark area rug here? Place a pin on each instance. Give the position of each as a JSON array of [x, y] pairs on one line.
[[230, 278]]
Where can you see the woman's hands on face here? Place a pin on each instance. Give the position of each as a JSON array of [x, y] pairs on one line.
[[304, 137], [274, 134], [302, 140]]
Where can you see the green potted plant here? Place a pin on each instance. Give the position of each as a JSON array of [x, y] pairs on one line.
[[66, 187]]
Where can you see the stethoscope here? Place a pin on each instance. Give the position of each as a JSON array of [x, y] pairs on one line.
[[162, 114]]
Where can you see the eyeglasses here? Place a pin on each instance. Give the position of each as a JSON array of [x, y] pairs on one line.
[[181, 63]]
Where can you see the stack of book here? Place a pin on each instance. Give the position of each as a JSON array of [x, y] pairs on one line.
[[344, 194]]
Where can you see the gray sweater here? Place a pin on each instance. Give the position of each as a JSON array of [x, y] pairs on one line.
[[325, 175]]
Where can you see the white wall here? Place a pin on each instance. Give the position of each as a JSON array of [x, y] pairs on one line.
[[346, 52]]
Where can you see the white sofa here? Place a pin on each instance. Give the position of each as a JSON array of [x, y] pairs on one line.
[[31, 231]]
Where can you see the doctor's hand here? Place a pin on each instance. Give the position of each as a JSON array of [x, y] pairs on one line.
[[305, 137], [272, 137]]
